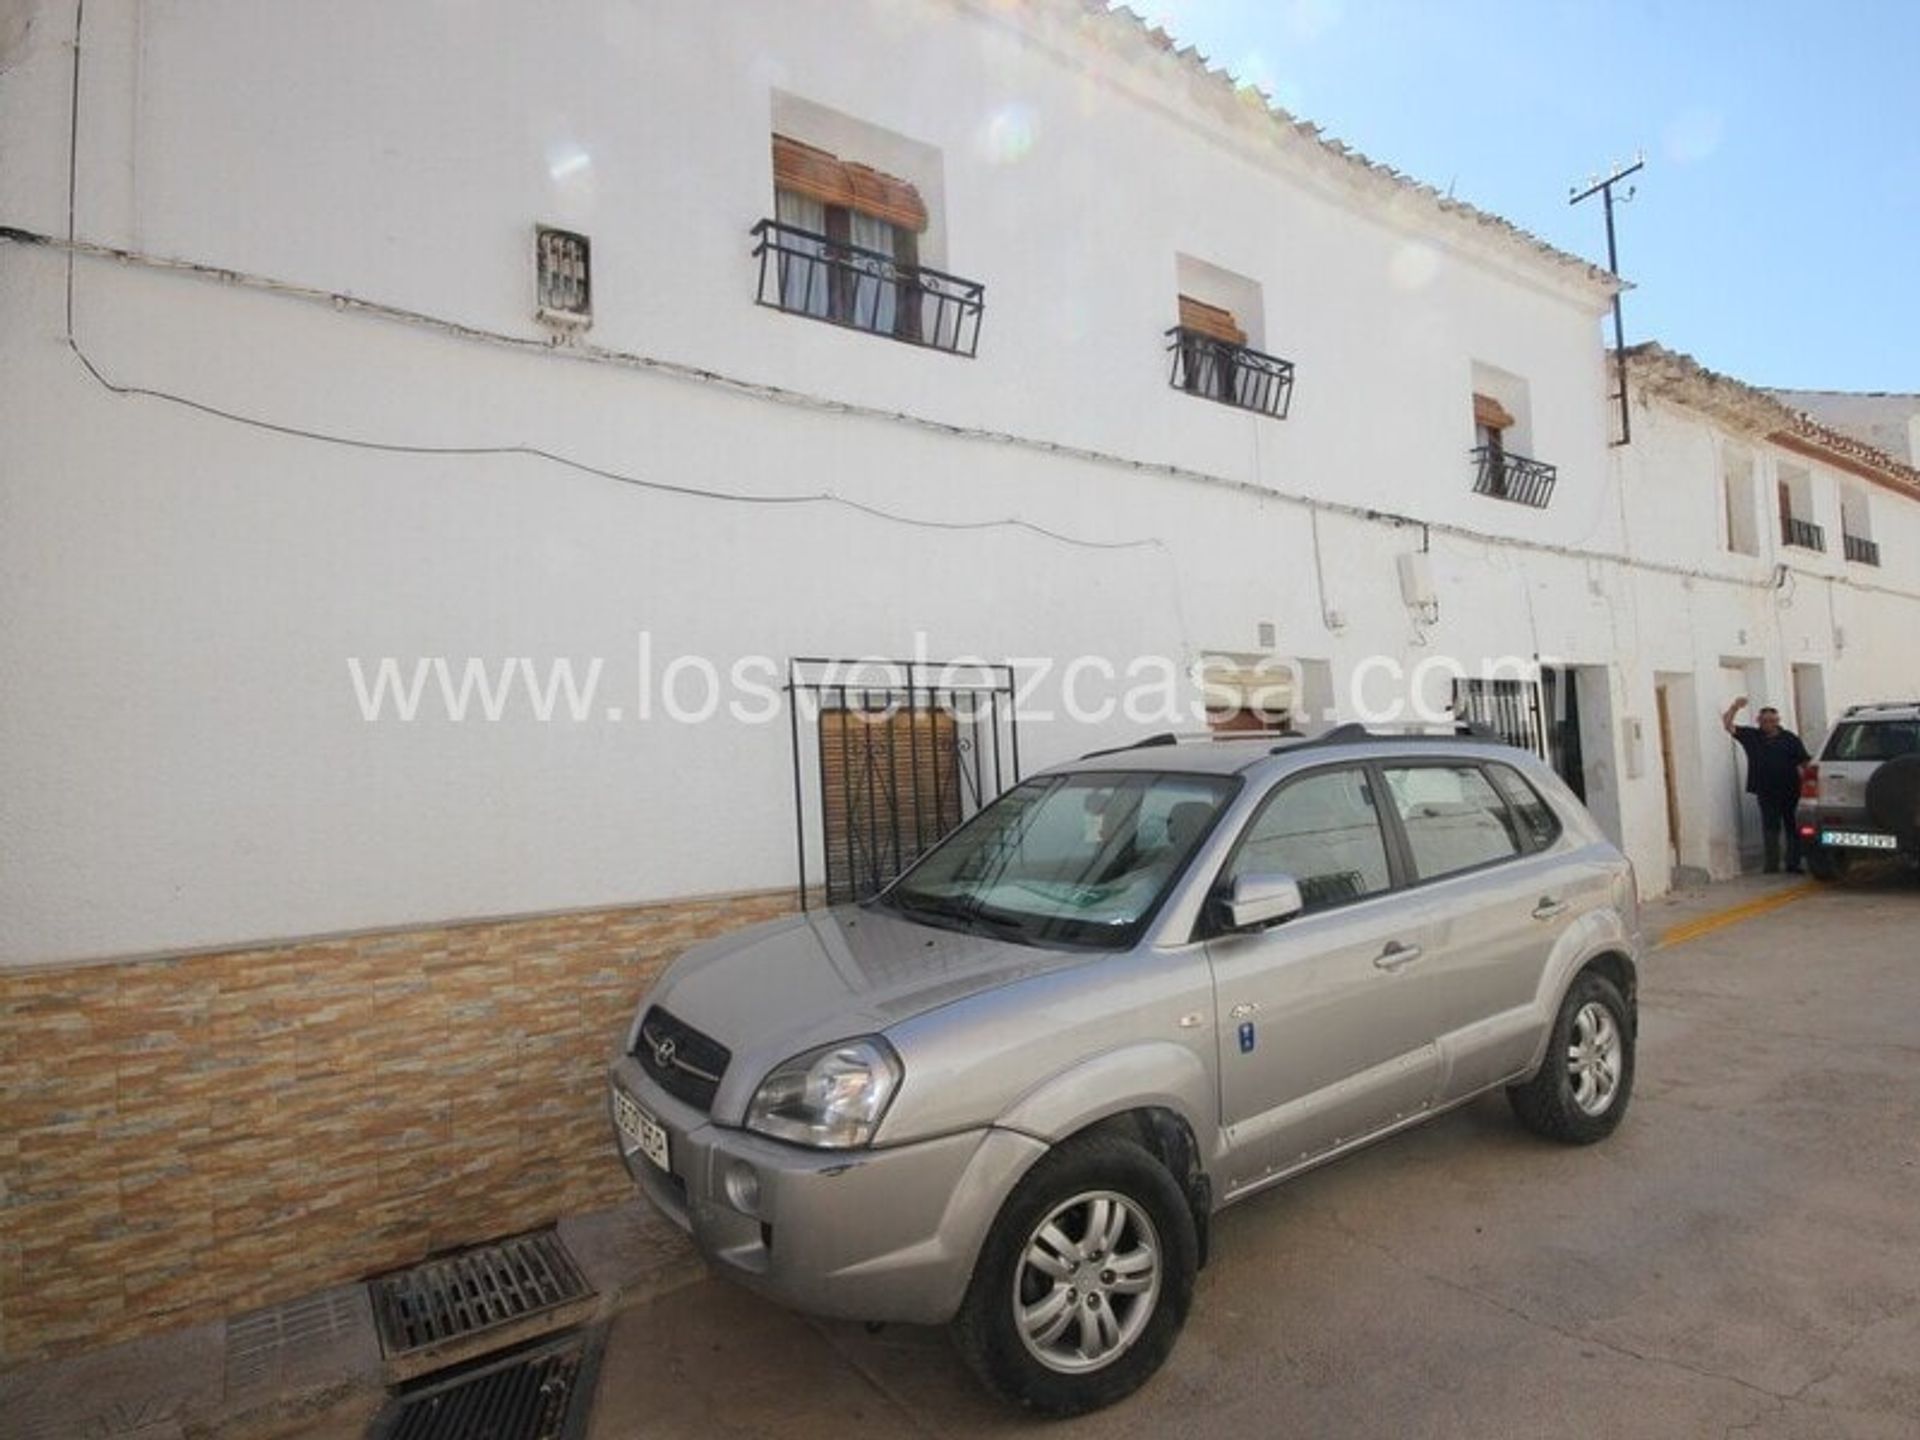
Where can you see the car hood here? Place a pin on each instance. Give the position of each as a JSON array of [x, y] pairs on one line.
[[769, 992]]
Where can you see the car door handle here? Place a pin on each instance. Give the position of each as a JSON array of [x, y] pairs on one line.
[[1396, 955], [1548, 908]]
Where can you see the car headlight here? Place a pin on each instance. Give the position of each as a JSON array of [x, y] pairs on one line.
[[832, 1097]]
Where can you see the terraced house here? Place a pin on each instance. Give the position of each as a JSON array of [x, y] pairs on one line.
[[440, 518]]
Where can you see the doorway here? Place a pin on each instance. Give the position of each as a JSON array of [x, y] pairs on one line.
[[1810, 705], [1560, 702], [1677, 717]]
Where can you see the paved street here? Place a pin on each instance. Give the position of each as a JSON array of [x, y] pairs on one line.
[[1742, 1257]]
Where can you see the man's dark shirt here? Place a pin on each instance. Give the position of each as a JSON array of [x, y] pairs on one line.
[[1773, 764]]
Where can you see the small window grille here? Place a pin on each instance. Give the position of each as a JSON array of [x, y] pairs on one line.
[[565, 279]]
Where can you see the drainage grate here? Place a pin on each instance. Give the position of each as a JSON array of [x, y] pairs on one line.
[[313, 1335], [475, 1290], [542, 1392]]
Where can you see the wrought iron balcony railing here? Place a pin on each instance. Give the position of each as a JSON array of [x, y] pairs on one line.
[[1860, 549], [1507, 476], [1802, 533], [805, 273], [1229, 373]]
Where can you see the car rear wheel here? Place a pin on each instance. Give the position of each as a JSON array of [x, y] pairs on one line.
[[1586, 1080], [1084, 1281], [1827, 865]]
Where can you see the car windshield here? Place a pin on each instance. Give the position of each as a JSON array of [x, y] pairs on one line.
[[1077, 859], [1876, 740]]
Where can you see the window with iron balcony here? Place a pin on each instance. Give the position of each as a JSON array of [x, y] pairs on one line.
[[1500, 472], [843, 245], [1211, 358], [1796, 499]]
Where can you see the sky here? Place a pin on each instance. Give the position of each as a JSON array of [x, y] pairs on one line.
[[1775, 232]]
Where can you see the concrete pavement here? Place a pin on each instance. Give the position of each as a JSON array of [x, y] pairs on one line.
[[1742, 1257]]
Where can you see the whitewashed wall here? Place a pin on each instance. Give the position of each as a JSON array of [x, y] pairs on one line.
[[181, 748]]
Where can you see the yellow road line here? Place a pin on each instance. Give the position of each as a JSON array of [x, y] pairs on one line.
[[1733, 915]]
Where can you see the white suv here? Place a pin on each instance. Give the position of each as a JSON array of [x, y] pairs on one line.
[[1862, 796]]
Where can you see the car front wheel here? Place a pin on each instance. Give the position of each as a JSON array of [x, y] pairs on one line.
[[1584, 1083], [1084, 1281]]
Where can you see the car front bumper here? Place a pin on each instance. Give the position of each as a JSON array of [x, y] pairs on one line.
[[878, 1234]]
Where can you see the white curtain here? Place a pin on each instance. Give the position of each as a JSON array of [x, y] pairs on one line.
[[803, 280], [874, 299]]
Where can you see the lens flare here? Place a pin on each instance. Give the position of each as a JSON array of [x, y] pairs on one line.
[[1009, 134]]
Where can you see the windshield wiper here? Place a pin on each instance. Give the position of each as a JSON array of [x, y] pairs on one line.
[[966, 913]]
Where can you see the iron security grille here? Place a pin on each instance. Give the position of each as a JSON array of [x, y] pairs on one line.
[[1504, 475], [805, 273], [1232, 374], [1509, 709], [474, 1290], [904, 752], [564, 272], [685, 1063], [1803, 534], [541, 1392], [1861, 551]]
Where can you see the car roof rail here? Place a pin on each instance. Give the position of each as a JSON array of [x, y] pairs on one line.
[[1872, 705], [1352, 732], [1151, 742]]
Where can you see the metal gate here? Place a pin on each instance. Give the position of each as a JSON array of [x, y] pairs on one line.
[[904, 751], [1508, 708], [1542, 716]]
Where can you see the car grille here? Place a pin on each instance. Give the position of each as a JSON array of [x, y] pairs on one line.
[[680, 1060]]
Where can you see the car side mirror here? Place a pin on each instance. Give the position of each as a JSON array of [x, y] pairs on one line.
[[1252, 902]]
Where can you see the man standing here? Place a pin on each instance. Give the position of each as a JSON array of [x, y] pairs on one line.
[[1775, 762]]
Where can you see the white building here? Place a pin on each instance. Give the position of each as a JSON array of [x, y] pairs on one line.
[[285, 396]]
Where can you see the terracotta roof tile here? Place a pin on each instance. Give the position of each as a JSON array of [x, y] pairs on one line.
[[1363, 169]]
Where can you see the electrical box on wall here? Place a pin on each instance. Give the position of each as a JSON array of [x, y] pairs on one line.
[[564, 277], [1634, 742], [1416, 580]]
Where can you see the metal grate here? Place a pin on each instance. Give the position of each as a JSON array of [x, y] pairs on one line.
[[543, 1392], [1803, 534], [685, 1063], [806, 273], [475, 1290], [313, 1334], [1504, 475], [1232, 374], [564, 275]]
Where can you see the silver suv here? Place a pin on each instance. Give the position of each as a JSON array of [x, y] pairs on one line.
[[1009, 1092], [1861, 798]]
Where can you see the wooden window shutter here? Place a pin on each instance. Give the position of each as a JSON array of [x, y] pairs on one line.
[[1210, 320], [1491, 413], [808, 170]]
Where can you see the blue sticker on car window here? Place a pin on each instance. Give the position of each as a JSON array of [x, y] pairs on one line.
[[1246, 1036]]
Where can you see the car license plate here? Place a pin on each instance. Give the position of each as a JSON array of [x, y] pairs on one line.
[[646, 1134], [1859, 840]]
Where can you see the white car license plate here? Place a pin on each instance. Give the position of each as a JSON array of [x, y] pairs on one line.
[[646, 1134], [1859, 840]]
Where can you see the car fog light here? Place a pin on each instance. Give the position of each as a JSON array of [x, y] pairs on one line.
[[743, 1187]]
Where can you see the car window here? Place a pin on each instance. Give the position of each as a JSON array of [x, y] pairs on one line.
[[1539, 826], [1323, 830], [1453, 817], [1878, 740]]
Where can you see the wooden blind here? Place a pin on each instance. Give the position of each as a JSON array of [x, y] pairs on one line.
[[808, 170], [890, 787], [1210, 320], [1491, 413]]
